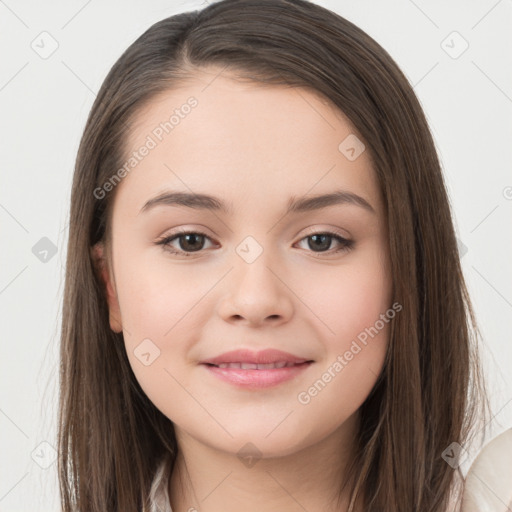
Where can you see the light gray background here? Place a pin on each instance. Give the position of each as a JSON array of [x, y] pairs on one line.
[[44, 104]]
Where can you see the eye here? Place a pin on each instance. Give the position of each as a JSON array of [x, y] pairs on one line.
[[190, 242], [322, 240]]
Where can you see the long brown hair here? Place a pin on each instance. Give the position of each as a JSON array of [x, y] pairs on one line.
[[430, 392]]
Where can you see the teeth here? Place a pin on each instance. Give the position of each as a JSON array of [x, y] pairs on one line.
[[254, 366]]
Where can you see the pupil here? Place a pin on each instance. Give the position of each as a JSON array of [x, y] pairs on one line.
[[193, 237], [323, 245]]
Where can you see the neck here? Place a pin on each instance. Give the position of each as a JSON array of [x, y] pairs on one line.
[[209, 480]]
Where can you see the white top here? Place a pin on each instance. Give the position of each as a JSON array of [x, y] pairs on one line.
[[158, 494], [489, 479]]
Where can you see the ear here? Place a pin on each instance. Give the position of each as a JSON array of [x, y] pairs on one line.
[[103, 271]]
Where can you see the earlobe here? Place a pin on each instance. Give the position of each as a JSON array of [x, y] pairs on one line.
[[104, 274]]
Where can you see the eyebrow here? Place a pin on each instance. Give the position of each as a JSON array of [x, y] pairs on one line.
[[295, 205]]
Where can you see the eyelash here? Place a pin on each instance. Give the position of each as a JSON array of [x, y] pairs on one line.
[[165, 242]]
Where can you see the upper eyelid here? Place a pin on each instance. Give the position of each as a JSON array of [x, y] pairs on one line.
[[310, 231]]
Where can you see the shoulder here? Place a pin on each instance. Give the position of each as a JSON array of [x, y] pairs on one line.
[[488, 484]]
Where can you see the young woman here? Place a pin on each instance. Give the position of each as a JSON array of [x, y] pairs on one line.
[[264, 306]]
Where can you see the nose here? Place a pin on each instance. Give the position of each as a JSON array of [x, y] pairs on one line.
[[256, 293]]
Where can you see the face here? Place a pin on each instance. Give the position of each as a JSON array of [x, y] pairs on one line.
[[251, 274]]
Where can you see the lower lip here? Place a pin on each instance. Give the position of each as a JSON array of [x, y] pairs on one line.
[[257, 378]]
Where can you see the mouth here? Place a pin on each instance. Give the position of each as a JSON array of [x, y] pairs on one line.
[[245, 357], [258, 366], [257, 376]]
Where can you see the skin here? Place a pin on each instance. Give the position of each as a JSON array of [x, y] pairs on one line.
[[253, 146]]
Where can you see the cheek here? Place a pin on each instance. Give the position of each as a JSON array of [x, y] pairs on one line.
[[348, 300], [156, 297], [354, 307], [157, 305], [158, 316]]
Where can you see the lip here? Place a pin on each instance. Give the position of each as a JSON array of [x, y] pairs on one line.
[[257, 379], [252, 378], [262, 357]]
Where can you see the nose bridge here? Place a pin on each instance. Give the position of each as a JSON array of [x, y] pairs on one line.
[[255, 291]]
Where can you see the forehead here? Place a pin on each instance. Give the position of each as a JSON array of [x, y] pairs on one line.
[[244, 141]]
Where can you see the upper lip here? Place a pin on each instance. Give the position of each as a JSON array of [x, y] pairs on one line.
[[261, 357]]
